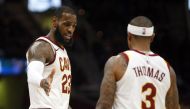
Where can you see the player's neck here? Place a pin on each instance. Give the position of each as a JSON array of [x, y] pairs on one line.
[[50, 35], [52, 38], [141, 48]]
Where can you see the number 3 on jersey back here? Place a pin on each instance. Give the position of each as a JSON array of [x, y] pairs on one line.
[[149, 102], [66, 84]]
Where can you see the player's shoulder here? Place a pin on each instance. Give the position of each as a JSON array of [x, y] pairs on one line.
[[39, 49], [117, 64], [40, 45], [117, 61], [116, 58]]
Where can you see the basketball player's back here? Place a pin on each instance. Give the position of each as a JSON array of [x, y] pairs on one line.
[[135, 79], [145, 82]]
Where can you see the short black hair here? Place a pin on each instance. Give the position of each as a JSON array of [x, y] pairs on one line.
[[64, 9], [141, 21]]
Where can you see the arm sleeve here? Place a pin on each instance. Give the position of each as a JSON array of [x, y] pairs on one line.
[[34, 72]]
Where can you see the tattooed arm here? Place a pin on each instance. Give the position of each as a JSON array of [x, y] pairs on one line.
[[40, 51], [113, 71], [172, 98]]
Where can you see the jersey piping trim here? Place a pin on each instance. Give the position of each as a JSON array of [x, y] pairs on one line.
[[127, 60], [49, 63], [54, 42], [125, 56], [144, 53], [168, 65], [54, 57]]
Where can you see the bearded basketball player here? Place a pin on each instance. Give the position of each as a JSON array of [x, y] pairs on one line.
[[49, 69]]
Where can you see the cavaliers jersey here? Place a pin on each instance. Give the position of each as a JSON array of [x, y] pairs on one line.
[[145, 82], [61, 85]]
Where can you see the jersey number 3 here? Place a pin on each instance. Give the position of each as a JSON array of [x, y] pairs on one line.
[[149, 102], [66, 84]]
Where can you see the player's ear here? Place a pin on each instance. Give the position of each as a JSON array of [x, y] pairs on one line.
[[54, 22], [152, 38], [129, 37]]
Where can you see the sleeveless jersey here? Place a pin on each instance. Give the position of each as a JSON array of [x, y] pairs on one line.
[[144, 84], [61, 85]]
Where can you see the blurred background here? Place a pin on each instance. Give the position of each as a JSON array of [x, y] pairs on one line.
[[101, 33]]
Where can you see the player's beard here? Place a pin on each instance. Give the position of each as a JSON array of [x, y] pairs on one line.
[[61, 40]]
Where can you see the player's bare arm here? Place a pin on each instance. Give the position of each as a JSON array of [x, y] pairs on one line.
[[172, 99], [42, 51], [113, 71]]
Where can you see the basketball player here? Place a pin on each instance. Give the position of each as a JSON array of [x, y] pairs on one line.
[[49, 69], [138, 78]]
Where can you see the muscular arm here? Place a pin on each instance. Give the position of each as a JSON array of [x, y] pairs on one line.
[[40, 51], [113, 71], [172, 99]]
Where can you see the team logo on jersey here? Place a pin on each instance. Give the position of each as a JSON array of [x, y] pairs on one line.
[[64, 63]]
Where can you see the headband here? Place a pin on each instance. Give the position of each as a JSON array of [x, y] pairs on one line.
[[140, 31]]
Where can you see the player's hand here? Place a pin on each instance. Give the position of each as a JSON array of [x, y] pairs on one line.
[[46, 83]]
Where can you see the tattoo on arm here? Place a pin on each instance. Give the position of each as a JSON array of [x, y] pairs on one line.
[[41, 51], [172, 98], [108, 86], [113, 72]]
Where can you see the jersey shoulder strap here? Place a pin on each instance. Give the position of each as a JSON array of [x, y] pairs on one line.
[[46, 39]]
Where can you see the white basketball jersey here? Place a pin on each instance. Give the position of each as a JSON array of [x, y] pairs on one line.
[[144, 84], [61, 85]]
